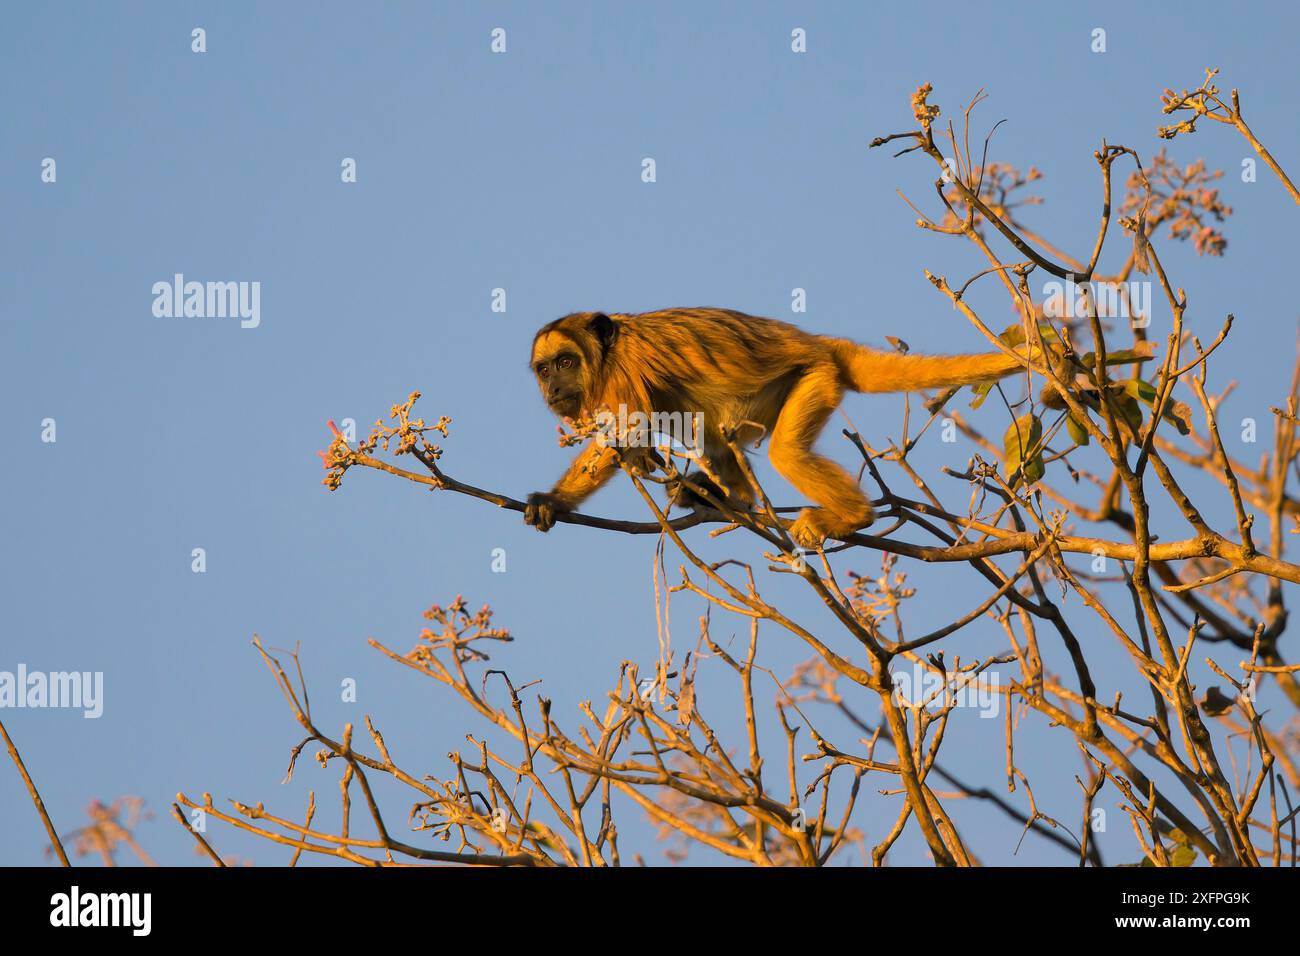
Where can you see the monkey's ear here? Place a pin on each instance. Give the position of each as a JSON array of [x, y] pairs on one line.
[[602, 326]]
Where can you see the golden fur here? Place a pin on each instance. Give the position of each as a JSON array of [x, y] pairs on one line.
[[734, 369]]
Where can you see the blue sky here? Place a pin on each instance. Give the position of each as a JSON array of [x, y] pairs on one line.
[[478, 171]]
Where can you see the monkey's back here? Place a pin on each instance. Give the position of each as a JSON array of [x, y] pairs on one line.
[[700, 345], [727, 363]]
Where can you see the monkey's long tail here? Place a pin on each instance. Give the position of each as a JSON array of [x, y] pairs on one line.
[[870, 370]]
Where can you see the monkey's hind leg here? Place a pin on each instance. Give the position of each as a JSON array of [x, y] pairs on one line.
[[845, 508], [722, 462]]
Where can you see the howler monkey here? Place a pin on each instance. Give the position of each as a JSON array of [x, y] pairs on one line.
[[761, 377]]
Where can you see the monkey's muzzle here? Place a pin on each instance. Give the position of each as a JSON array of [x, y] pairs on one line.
[[566, 406]]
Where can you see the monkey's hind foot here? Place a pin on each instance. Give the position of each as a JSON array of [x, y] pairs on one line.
[[815, 525], [690, 492]]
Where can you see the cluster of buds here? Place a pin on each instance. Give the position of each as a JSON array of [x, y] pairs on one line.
[[876, 598], [459, 631], [1183, 197], [925, 113], [579, 431], [408, 433], [999, 185], [337, 458], [405, 437], [1202, 101]]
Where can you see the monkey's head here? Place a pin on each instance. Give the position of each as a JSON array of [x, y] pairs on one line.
[[569, 359]]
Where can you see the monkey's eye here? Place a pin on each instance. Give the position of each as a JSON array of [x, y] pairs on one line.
[[565, 362], [543, 371]]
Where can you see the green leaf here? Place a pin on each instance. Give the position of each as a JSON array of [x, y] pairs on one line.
[[1141, 389], [1014, 335], [1129, 410], [1076, 430], [1142, 351], [1183, 854], [1175, 412], [1022, 438], [981, 392]]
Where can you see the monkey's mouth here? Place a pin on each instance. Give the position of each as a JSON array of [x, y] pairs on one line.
[[566, 405]]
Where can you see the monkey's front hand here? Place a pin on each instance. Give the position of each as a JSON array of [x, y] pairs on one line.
[[642, 461], [541, 508]]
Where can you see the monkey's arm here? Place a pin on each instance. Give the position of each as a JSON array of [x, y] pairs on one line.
[[593, 467]]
